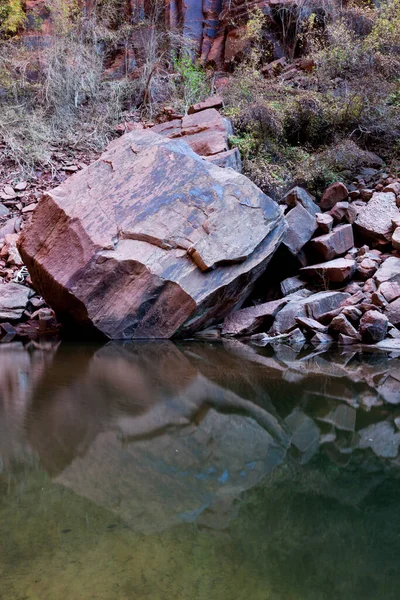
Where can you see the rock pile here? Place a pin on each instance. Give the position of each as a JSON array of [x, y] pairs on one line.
[[348, 283]]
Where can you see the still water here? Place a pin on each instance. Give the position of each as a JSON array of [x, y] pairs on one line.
[[198, 472]]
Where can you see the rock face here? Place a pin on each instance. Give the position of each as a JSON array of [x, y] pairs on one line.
[[150, 241]]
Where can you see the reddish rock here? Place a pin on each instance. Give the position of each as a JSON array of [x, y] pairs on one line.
[[354, 210], [342, 325], [335, 243], [375, 220], [150, 240], [396, 238], [299, 195], [312, 325], [248, 320], [366, 194], [347, 340], [301, 226], [373, 326], [339, 211], [366, 268], [390, 290], [392, 311], [212, 102], [389, 270], [312, 306], [206, 132], [336, 192], [333, 271], [393, 187], [325, 222]]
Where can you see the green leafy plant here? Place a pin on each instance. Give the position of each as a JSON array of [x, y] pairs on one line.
[[192, 84]]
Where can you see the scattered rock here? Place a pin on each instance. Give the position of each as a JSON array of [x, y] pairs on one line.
[[301, 226], [248, 320], [342, 325], [392, 311], [335, 243], [291, 285], [373, 327], [298, 195], [389, 271], [396, 238], [375, 220], [381, 438], [212, 102], [333, 271], [336, 192], [13, 301], [324, 222]]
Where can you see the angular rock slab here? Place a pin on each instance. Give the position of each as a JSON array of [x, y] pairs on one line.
[[375, 220], [13, 300], [150, 240]]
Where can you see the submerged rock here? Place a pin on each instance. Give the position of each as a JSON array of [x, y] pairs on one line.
[[150, 241]]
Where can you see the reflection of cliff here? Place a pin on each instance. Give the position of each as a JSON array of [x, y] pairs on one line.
[[140, 431]]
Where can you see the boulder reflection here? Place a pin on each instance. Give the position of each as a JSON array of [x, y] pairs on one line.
[[163, 434]]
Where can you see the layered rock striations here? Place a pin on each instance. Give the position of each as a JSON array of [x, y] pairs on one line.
[[150, 241]]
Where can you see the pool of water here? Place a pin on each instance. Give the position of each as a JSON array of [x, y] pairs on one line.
[[198, 471]]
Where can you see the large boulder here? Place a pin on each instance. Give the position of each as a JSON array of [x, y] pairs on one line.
[[150, 241]]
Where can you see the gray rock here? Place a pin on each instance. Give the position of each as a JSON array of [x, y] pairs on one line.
[[389, 271], [313, 307], [298, 195], [228, 159], [301, 226], [248, 320], [375, 220], [373, 327], [381, 438], [291, 285], [13, 301]]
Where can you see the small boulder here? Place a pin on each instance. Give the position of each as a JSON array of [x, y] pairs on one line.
[[299, 195], [342, 325], [13, 301], [396, 238], [333, 271], [212, 102], [324, 222], [373, 326], [389, 270], [301, 226], [339, 211], [336, 192], [375, 220], [248, 320], [392, 311], [390, 290], [291, 285], [335, 243]]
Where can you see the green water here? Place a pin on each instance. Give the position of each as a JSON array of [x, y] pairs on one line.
[[198, 472]]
